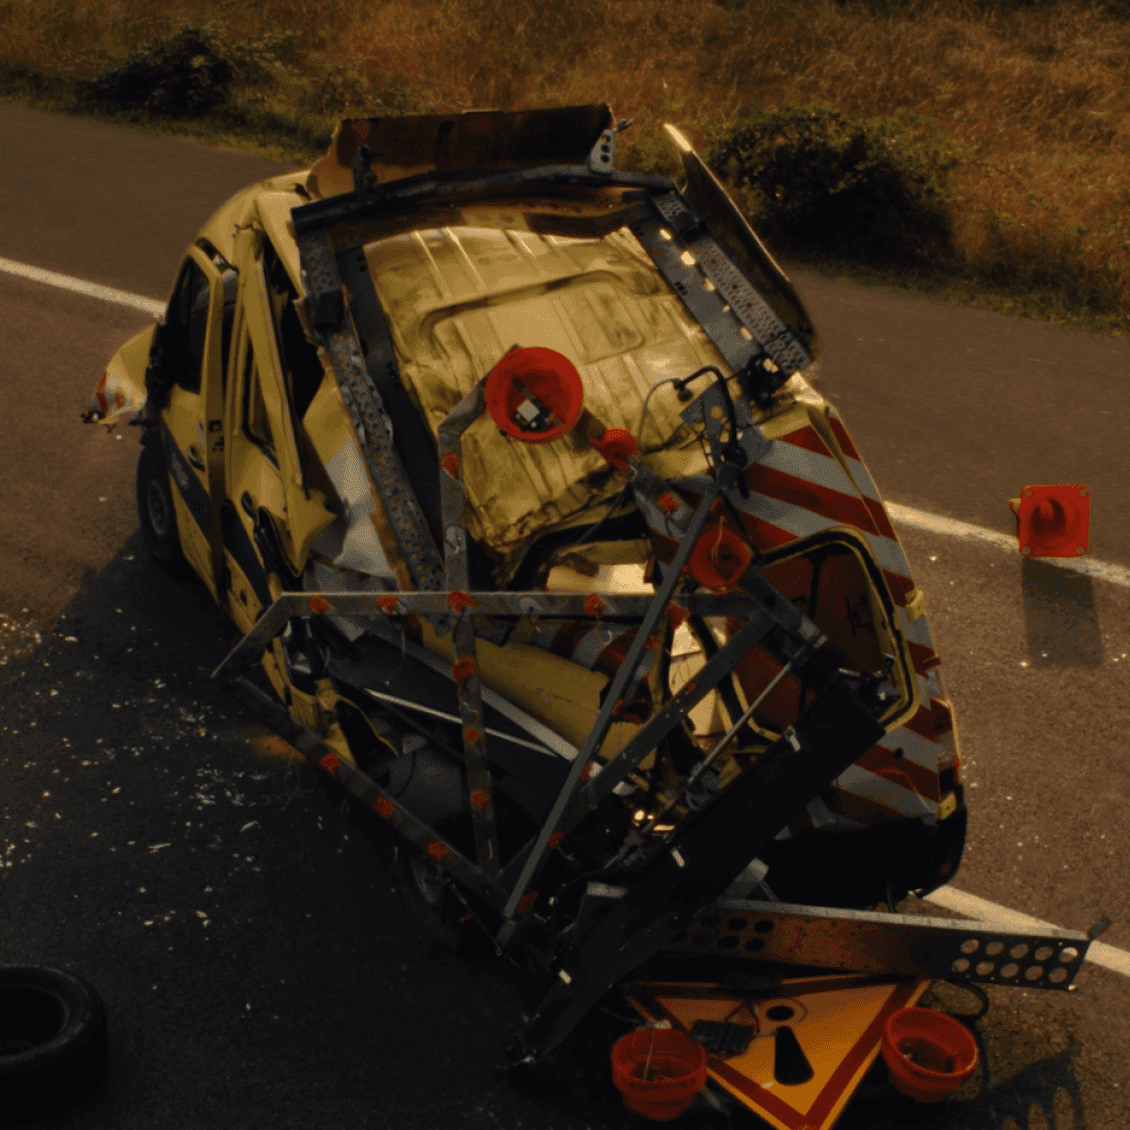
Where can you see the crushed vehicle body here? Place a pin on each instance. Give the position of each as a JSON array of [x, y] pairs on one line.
[[508, 466]]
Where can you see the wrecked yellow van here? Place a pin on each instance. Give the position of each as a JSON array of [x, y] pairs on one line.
[[508, 466]]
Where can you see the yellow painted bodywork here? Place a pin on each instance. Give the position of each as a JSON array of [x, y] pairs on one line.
[[122, 386], [473, 280], [555, 690], [459, 296]]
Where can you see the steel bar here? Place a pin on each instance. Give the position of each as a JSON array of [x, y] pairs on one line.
[[876, 942]]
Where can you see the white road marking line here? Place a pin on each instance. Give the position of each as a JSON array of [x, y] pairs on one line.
[[1110, 957], [935, 523], [1101, 954], [80, 286]]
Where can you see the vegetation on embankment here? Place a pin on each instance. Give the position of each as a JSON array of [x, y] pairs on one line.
[[972, 149]]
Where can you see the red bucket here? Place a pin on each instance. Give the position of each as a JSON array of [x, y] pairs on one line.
[[929, 1053], [675, 1071]]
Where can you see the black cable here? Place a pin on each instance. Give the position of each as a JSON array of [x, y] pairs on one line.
[[977, 991], [587, 535]]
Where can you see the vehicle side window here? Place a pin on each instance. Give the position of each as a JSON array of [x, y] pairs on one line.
[[196, 298], [255, 422], [299, 358], [187, 318]]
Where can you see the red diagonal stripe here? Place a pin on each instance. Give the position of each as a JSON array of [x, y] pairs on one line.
[[878, 514], [763, 534], [923, 657], [923, 724], [842, 437], [899, 586], [943, 717], [847, 509], [807, 438]]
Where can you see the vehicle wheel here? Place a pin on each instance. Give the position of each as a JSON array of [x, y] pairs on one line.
[[427, 896], [155, 510], [53, 1042]]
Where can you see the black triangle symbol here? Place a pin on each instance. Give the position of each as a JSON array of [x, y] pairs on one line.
[[790, 1064]]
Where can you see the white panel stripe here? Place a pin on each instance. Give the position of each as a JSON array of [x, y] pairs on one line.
[[862, 478], [889, 554], [810, 465], [922, 751], [919, 631], [796, 520], [1110, 957], [871, 786]]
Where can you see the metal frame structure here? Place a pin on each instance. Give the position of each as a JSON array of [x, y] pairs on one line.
[[666, 887]]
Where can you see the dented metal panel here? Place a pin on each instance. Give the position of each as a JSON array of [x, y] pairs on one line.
[[458, 298], [463, 142], [120, 392]]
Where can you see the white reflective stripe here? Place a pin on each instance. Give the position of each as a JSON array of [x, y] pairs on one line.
[[795, 520], [810, 465], [919, 631], [922, 751], [862, 479], [81, 286], [871, 786], [931, 684], [802, 522], [889, 554], [593, 643]]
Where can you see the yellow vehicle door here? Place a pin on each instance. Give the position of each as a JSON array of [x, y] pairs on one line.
[[194, 347], [270, 514]]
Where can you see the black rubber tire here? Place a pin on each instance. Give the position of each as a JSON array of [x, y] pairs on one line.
[[54, 1049], [155, 511], [428, 898]]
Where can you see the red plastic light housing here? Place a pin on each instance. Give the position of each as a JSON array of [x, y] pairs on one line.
[[543, 373]]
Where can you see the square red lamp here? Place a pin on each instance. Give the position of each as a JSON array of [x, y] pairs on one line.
[[1053, 521]]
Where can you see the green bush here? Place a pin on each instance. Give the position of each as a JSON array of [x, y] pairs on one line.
[[185, 74], [826, 181]]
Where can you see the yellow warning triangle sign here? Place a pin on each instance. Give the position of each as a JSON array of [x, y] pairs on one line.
[[811, 1043]]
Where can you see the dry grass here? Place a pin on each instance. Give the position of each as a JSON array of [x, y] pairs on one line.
[[1040, 96]]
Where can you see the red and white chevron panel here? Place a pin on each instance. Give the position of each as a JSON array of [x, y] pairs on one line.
[[799, 487]]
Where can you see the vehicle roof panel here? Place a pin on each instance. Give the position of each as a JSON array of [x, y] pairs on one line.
[[459, 297]]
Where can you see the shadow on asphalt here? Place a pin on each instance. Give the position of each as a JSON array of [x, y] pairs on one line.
[[257, 968], [1061, 624], [241, 922]]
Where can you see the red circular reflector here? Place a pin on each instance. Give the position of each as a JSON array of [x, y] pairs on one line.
[[534, 394], [719, 557], [616, 445]]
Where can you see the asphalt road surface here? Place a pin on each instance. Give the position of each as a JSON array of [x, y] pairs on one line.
[[257, 968]]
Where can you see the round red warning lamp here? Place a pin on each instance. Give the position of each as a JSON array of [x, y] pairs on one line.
[[719, 558], [617, 445], [534, 394]]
